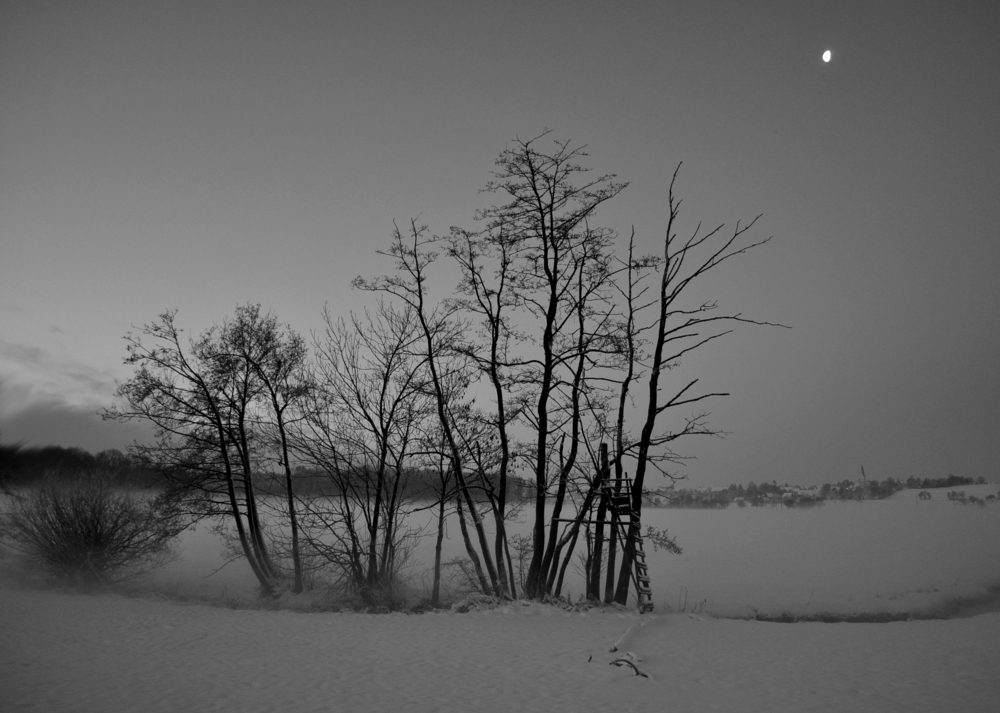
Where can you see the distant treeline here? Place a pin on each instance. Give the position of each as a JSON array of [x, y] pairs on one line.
[[22, 466], [794, 496], [416, 485]]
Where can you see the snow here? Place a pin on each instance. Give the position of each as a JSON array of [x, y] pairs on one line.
[[64, 651], [71, 652], [892, 556]]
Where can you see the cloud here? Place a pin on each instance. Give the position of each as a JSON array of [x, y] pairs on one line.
[[51, 398], [34, 375], [44, 424]]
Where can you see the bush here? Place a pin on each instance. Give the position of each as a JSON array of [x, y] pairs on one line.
[[89, 533]]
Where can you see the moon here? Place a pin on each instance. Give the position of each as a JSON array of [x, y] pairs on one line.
[[826, 56]]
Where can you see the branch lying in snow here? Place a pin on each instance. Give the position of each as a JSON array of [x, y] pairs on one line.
[[628, 658], [629, 662]]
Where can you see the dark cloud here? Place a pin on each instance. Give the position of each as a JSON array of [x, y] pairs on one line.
[[61, 406], [44, 424]]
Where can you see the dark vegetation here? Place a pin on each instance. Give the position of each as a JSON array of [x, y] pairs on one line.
[[21, 466], [90, 531], [854, 618], [950, 609]]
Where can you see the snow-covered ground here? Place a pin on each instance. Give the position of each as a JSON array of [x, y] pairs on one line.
[[71, 652], [61, 651]]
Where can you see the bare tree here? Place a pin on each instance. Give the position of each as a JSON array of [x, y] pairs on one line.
[[679, 329], [196, 404], [629, 284], [550, 270], [436, 459], [361, 431], [276, 357], [492, 301], [437, 331]]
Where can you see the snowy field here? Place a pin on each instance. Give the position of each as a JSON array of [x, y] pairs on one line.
[[61, 651]]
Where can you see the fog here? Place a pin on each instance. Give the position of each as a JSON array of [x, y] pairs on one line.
[[895, 555]]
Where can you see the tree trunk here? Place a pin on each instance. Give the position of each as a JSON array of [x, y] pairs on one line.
[[469, 548], [265, 580], [609, 590], [373, 568], [436, 591], [293, 520], [594, 581], [547, 572]]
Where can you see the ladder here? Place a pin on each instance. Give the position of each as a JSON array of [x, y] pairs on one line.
[[619, 495]]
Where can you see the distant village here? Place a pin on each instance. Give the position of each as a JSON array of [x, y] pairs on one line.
[[773, 494]]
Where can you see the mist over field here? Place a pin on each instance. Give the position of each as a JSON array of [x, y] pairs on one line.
[[894, 556]]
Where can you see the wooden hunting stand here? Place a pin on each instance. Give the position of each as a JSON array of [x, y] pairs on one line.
[[618, 495]]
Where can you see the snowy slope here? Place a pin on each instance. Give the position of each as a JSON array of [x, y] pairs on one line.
[[70, 652]]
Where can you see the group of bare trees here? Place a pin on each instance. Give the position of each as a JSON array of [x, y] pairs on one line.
[[220, 409], [531, 369]]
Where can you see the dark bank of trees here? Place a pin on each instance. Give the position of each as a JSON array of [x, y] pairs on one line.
[[558, 339], [20, 465]]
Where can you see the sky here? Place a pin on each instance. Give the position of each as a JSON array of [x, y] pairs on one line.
[[200, 155]]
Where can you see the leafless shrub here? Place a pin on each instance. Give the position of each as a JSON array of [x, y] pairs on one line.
[[89, 533]]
